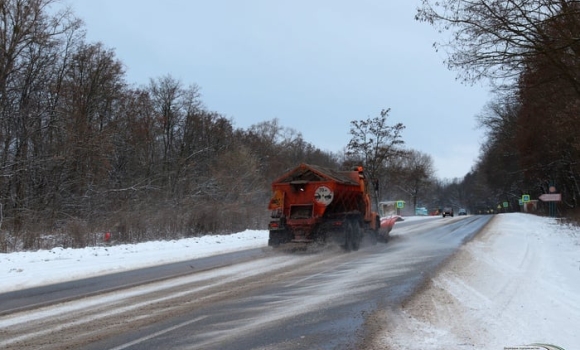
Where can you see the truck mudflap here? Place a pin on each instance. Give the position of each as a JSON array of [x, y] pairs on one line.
[[302, 239]]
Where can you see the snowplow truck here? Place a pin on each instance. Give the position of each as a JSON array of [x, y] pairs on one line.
[[313, 204]]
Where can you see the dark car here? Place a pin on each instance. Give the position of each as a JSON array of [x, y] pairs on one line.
[[462, 212], [447, 212]]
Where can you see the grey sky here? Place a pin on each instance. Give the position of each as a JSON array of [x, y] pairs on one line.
[[314, 65]]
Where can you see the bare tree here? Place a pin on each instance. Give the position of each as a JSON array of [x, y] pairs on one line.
[[166, 93], [268, 140], [374, 143], [496, 38], [416, 175]]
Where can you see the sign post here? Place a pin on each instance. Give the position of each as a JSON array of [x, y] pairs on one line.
[[551, 198], [400, 205], [525, 200]]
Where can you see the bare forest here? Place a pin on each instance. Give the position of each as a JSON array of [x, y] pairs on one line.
[[529, 51], [84, 152]]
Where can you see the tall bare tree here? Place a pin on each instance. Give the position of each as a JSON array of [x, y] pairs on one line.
[[496, 38], [374, 143], [416, 175]]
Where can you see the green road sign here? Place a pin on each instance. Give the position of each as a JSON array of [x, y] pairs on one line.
[[400, 204], [525, 198], [505, 204]]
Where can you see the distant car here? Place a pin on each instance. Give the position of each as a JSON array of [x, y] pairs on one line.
[[421, 211], [462, 212], [448, 212]]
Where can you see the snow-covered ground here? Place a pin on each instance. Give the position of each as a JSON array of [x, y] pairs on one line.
[[31, 269], [515, 285]]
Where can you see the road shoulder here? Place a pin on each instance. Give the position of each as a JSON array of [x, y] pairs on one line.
[[502, 289]]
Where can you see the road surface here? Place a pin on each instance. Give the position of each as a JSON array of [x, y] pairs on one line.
[[260, 300]]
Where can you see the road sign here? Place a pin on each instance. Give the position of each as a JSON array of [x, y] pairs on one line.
[[505, 204], [551, 197], [400, 204], [525, 198]]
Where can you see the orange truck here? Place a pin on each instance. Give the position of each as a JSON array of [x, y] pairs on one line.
[[313, 204]]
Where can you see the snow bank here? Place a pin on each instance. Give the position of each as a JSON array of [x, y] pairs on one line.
[[516, 284]]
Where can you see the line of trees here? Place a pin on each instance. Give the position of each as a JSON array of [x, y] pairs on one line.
[[530, 51], [82, 152]]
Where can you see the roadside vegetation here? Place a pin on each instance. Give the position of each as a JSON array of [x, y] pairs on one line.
[[529, 51], [84, 152]]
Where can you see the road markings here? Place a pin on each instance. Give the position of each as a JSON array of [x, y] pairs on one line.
[[151, 336]]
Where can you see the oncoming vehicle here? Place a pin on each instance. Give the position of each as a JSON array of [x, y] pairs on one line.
[[462, 212], [448, 211]]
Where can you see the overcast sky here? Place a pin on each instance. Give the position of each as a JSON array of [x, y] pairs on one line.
[[314, 65]]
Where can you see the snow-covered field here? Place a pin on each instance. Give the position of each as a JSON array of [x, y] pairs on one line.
[[515, 285], [30, 269]]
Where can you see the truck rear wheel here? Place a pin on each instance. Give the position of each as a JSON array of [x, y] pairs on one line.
[[279, 237], [352, 236]]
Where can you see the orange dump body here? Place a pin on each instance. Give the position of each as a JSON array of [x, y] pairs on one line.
[[310, 198]]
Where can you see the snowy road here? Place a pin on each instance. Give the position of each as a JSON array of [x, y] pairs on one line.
[[326, 300], [46, 295]]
